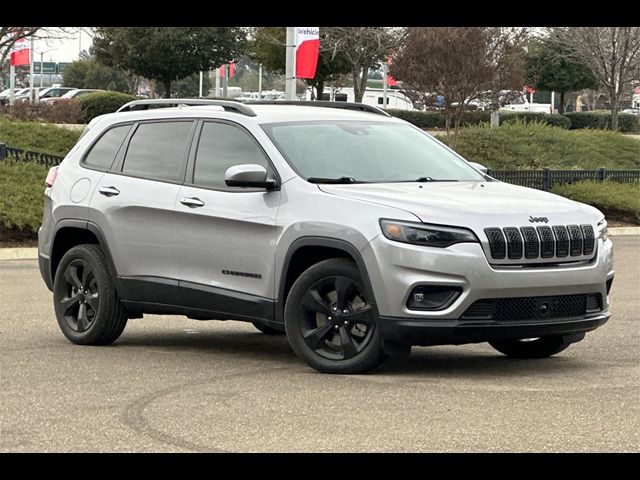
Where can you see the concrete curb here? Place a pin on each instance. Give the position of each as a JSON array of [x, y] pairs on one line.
[[32, 253]]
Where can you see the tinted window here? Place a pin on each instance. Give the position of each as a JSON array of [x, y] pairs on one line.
[[157, 150], [222, 146], [104, 150]]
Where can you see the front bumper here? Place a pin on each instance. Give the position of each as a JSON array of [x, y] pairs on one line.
[[394, 269], [408, 331]]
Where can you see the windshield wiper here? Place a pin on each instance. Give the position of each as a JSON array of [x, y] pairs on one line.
[[429, 179], [332, 180]]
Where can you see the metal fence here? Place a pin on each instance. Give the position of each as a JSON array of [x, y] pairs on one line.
[[20, 155], [541, 179], [545, 179]]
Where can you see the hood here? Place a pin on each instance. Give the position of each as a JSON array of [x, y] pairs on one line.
[[472, 204]]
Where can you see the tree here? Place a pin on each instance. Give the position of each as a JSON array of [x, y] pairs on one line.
[[168, 53], [268, 48], [549, 67], [363, 48], [89, 73], [458, 64], [612, 54]]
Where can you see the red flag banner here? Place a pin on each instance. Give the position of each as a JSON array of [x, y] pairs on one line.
[[20, 57], [307, 45], [391, 82]]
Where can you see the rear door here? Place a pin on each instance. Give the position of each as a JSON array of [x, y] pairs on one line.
[[134, 201]]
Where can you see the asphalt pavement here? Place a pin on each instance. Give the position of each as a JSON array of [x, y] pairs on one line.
[[178, 385]]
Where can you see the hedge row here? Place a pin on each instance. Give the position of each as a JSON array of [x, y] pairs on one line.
[[99, 103], [596, 120]]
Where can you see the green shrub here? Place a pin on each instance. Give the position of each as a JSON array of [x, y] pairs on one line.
[[554, 120], [431, 120], [601, 120], [619, 201], [99, 103], [21, 202], [39, 137], [535, 145]]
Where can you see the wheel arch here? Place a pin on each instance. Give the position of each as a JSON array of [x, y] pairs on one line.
[[70, 233], [307, 251]]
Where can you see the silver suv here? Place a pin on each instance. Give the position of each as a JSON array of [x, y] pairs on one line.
[[356, 233]]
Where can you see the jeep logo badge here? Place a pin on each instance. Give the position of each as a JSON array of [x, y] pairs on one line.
[[538, 219]]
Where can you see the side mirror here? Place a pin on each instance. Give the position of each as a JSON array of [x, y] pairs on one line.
[[478, 166], [249, 175]]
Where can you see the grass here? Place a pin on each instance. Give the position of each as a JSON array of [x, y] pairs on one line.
[[619, 201], [21, 201], [534, 146], [38, 137]]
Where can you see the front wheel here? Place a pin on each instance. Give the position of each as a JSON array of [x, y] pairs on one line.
[[329, 321], [542, 347]]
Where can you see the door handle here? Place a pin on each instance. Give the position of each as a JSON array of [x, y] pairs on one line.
[[192, 202], [109, 191]]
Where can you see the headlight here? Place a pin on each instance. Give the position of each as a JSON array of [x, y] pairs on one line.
[[425, 234], [603, 230]]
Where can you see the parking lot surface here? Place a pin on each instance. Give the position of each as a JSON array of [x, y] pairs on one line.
[[173, 384]]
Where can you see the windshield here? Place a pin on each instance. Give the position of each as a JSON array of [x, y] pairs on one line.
[[348, 152]]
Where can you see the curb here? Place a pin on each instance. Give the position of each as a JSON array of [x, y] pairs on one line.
[[32, 253]]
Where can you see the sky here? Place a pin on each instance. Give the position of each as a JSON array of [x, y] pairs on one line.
[[64, 49]]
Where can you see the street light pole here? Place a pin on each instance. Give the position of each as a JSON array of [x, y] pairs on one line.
[[290, 71], [41, 69]]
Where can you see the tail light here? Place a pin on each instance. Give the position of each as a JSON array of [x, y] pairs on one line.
[[51, 177]]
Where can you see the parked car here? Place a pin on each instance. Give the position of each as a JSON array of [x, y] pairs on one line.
[[355, 233], [48, 94], [632, 111]]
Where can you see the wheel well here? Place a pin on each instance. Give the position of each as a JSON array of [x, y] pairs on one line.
[[305, 257], [66, 239]]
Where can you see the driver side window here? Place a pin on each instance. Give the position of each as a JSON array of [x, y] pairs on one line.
[[222, 146]]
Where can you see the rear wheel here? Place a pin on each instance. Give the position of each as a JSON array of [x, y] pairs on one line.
[[542, 347], [86, 304], [329, 322]]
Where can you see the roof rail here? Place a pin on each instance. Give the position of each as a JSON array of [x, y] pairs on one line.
[[321, 103], [146, 104]]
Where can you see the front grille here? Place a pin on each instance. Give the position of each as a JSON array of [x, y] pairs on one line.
[[533, 308], [540, 242]]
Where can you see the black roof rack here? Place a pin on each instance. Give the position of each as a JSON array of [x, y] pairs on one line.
[[321, 103], [146, 104]]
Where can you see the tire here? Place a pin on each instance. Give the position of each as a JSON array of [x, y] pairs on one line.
[[103, 318], [540, 348], [267, 330], [329, 323]]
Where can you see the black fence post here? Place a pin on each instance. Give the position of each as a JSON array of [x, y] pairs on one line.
[[601, 174], [3, 150], [546, 179]]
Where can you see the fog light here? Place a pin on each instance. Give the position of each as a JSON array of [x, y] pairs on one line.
[[432, 297]]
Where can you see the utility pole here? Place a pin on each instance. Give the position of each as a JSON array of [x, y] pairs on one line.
[[32, 93], [259, 81], [200, 90], [225, 81], [290, 71], [41, 69], [12, 84]]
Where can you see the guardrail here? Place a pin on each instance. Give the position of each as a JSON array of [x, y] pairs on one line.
[[20, 155], [545, 179]]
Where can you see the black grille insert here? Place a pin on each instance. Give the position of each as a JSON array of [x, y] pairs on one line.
[[531, 242], [575, 235], [589, 239], [514, 242], [496, 242], [562, 240], [533, 308], [547, 243]]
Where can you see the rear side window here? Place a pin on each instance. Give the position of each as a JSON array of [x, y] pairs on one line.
[[104, 151], [157, 150], [222, 146]]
